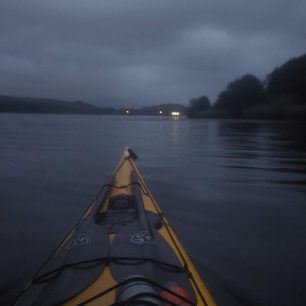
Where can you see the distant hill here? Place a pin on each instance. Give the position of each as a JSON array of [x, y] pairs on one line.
[[9, 104], [42, 105]]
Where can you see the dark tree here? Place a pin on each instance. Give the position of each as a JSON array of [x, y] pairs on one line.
[[198, 107], [289, 80], [240, 95]]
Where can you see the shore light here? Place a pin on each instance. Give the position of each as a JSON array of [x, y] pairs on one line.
[[160, 112], [127, 111], [175, 113]]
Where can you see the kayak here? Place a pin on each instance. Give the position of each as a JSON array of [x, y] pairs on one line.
[[122, 251]]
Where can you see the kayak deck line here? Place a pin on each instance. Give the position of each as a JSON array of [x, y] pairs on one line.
[[52, 274], [121, 251]]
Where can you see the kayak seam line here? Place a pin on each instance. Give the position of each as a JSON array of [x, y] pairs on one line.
[[167, 226]]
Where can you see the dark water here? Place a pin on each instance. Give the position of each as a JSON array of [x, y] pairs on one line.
[[234, 191]]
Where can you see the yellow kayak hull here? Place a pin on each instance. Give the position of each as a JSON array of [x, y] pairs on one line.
[[99, 291]]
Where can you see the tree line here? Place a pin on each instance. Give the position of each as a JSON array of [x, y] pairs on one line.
[[282, 95]]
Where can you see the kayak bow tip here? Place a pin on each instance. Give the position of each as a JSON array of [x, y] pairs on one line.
[[129, 153]]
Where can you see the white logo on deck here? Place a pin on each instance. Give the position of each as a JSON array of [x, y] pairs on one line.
[[80, 240], [142, 237]]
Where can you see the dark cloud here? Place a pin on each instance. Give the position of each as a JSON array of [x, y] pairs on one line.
[[138, 52]]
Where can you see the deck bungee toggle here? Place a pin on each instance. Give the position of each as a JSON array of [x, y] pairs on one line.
[[122, 251]]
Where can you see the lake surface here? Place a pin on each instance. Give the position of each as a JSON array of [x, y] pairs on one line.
[[235, 191]]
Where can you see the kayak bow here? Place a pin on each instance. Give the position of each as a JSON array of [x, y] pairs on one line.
[[122, 251]]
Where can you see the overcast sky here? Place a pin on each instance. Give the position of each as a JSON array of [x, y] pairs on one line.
[[142, 52]]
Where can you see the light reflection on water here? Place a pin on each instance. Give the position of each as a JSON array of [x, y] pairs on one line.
[[234, 191]]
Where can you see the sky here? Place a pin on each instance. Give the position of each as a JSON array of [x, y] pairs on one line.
[[143, 52]]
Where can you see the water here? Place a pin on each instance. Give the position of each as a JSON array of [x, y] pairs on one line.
[[235, 191]]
